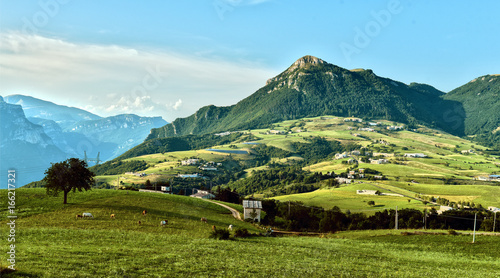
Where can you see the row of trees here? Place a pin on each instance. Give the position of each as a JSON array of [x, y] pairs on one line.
[[297, 217]]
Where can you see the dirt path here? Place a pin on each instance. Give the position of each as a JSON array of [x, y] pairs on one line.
[[235, 213]]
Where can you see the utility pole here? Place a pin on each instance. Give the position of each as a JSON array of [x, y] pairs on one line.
[[425, 216], [474, 235], [396, 217], [494, 220]]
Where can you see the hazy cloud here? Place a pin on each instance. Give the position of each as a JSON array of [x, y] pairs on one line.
[[112, 79]]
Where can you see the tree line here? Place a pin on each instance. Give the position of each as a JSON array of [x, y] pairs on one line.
[[295, 216]]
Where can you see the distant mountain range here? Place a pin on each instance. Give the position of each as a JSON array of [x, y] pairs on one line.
[[35, 133], [312, 87]]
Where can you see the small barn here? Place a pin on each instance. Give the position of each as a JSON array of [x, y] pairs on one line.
[[252, 209]]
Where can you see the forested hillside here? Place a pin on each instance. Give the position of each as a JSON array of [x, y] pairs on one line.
[[481, 103], [312, 87]]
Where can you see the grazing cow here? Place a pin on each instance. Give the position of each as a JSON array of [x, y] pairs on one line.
[[230, 227], [87, 214], [139, 222], [203, 219], [112, 216], [164, 222], [214, 228], [78, 216], [144, 212]]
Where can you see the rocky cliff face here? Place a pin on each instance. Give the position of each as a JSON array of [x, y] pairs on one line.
[[35, 133], [24, 146], [62, 115], [15, 126]]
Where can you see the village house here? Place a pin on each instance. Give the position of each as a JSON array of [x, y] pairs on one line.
[[340, 155], [443, 209], [252, 209], [208, 168], [191, 161], [488, 178], [223, 134], [383, 154], [274, 131], [392, 127], [353, 120], [343, 180], [202, 194], [366, 129], [379, 161], [415, 155], [367, 192]]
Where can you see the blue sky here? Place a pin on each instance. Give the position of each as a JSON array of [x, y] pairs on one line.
[[169, 58]]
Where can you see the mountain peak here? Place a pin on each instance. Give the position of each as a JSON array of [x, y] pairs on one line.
[[308, 59]]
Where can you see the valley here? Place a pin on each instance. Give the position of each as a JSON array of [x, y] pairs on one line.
[[450, 169]]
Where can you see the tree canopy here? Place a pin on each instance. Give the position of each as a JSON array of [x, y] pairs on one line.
[[71, 174]]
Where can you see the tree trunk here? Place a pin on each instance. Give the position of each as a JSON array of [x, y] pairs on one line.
[[65, 197]]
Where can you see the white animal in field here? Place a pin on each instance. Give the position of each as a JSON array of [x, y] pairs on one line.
[[203, 219], [87, 214], [164, 222], [230, 227]]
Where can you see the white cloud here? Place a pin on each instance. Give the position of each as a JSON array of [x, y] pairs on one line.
[[177, 104], [111, 79]]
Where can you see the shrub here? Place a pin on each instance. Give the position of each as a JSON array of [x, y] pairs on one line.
[[452, 232], [219, 234], [241, 232]]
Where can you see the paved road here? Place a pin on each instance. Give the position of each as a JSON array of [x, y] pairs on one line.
[[235, 213]]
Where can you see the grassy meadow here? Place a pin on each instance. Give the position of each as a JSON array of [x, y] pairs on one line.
[[51, 242]]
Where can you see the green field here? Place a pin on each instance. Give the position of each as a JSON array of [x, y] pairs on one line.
[[51, 242]]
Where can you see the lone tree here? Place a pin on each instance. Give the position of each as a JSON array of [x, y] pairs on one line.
[[71, 174]]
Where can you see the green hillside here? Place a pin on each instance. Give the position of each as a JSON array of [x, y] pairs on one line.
[[481, 103], [295, 156], [313, 87], [51, 242]]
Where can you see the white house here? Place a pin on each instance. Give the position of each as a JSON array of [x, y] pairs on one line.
[[367, 192], [208, 168], [202, 194], [392, 127], [379, 161], [415, 155], [443, 209], [343, 180], [191, 161], [252, 209], [340, 155]]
